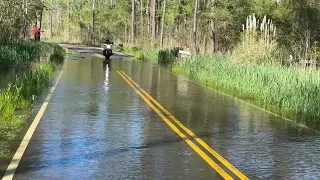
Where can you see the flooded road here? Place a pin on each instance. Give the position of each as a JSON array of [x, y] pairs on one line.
[[9, 75], [97, 126]]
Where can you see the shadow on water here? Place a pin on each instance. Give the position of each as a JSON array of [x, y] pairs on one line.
[[86, 157]]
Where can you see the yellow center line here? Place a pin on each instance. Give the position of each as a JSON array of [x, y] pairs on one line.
[[183, 136], [200, 141]]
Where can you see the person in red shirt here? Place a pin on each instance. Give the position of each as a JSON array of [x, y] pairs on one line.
[[35, 32]]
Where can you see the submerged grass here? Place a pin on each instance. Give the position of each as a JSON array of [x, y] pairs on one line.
[[142, 54], [167, 56], [290, 92], [23, 52], [17, 99], [58, 54]]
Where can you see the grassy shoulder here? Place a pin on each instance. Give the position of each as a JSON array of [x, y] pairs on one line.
[[16, 101], [290, 92], [255, 71]]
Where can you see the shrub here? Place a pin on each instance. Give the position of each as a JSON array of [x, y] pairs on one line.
[[258, 44], [167, 56]]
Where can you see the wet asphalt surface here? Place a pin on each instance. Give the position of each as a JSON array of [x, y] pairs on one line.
[[97, 127]]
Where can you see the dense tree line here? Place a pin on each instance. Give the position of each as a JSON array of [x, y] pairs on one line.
[[204, 25], [16, 18]]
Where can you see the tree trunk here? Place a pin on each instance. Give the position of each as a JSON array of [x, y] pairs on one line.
[[51, 25], [93, 21], [157, 26], [112, 3], [162, 23], [213, 30], [69, 20], [39, 20], [204, 46], [148, 17], [194, 31], [141, 19], [153, 20], [25, 19], [132, 23], [126, 32], [213, 38]]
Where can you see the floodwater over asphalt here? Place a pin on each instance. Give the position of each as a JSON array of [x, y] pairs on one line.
[[96, 126], [8, 75]]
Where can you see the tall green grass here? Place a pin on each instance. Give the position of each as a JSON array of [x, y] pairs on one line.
[[167, 56], [17, 99], [23, 52], [58, 54], [291, 92], [258, 43], [142, 54], [118, 48]]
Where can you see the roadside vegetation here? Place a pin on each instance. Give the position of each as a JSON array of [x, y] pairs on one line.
[[22, 52], [37, 59], [256, 71], [290, 92], [168, 56], [165, 56], [17, 99], [142, 54]]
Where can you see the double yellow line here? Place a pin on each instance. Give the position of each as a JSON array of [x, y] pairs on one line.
[[158, 107]]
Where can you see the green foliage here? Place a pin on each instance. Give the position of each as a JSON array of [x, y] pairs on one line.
[[168, 56], [297, 22], [258, 44], [287, 91], [133, 51], [58, 54], [15, 101], [118, 48], [315, 51], [14, 21], [228, 17]]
